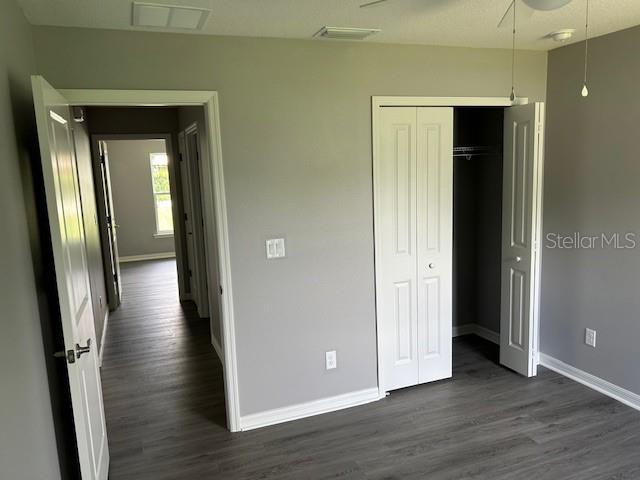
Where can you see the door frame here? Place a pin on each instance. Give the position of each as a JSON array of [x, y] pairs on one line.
[[379, 102], [214, 203]]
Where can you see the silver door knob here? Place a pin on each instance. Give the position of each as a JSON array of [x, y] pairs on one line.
[[432, 266], [517, 259], [82, 350]]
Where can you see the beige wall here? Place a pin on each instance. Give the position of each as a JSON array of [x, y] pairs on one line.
[[591, 186], [296, 140], [27, 438], [133, 197]]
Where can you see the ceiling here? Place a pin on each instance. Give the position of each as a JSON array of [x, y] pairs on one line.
[[467, 23]]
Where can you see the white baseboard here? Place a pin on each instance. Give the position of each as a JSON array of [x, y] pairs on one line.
[[148, 256], [596, 383], [103, 337], [475, 329], [218, 348], [308, 409], [466, 329]]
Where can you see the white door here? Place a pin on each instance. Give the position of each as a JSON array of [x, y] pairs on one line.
[[192, 144], [110, 235], [69, 251], [521, 226], [189, 229], [413, 177]]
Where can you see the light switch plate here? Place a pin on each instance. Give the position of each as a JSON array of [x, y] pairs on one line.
[[590, 337], [275, 248]]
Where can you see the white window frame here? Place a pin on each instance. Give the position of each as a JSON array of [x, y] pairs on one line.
[[159, 233]]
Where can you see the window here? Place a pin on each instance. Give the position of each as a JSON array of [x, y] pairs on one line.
[[161, 193]]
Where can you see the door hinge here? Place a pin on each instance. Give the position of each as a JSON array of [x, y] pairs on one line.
[[180, 157], [186, 217], [70, 355], [190, 273], [220, 289], [102, 161]]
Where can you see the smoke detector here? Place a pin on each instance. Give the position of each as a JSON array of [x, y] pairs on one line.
[[169, 16], [562, 35], [345, 33]]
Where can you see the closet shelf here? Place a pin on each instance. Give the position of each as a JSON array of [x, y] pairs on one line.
[[470, 152]]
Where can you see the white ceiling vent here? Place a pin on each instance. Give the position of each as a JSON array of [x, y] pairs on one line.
[[169, 16], [345, 33]]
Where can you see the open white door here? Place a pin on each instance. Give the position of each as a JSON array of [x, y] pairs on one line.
[[72, 277], [521, 226], [109, 231], [413, 182]]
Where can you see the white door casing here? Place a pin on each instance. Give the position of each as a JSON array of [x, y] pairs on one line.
[[72, 277], [413, 176], [521, 232]]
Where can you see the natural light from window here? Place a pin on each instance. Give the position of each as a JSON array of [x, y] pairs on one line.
[[161, 193]]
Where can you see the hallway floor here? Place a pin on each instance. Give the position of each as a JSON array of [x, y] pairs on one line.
[[164, 403]]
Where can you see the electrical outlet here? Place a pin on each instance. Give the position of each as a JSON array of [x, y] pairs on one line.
[[331, 360], [590, 337]]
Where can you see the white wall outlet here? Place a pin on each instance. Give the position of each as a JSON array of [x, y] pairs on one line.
[[590, 337], [331, 360], [275, 248]]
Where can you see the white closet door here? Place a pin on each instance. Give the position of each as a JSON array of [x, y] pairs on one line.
[[521, 223], [413, 173], [435, 241], [396, 258]]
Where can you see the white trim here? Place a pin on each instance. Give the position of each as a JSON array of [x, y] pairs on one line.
[[215, 204], [475, 329], [163, 235], [466, 329], [218, 348], [146, 256], [103, 337], [308, 409], [489, 335], [596, 383]]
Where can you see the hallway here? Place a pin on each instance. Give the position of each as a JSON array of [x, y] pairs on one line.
[[162, 381]]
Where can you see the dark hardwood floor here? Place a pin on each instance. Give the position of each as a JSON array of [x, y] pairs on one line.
[[164, 402]]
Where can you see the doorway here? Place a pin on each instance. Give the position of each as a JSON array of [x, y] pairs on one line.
[[56, 117], [455, 241]]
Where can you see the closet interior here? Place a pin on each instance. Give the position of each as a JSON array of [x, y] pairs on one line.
[[477, 218]]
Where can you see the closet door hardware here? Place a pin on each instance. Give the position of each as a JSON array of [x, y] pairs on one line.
[[432, 266]]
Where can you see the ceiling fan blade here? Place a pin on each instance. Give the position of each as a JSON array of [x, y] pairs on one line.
[[372, 4], [524, 12]]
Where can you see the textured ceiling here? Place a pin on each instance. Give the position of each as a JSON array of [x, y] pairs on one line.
[[469, 23]]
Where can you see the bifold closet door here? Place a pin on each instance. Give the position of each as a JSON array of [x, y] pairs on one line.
[[413, 176], [521, 232]]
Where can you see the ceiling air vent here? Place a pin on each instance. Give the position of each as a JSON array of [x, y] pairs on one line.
[[345, 33], [169, 16]]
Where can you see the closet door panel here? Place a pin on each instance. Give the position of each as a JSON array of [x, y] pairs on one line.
[[434, 214], [521, 225], [396, 255]]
